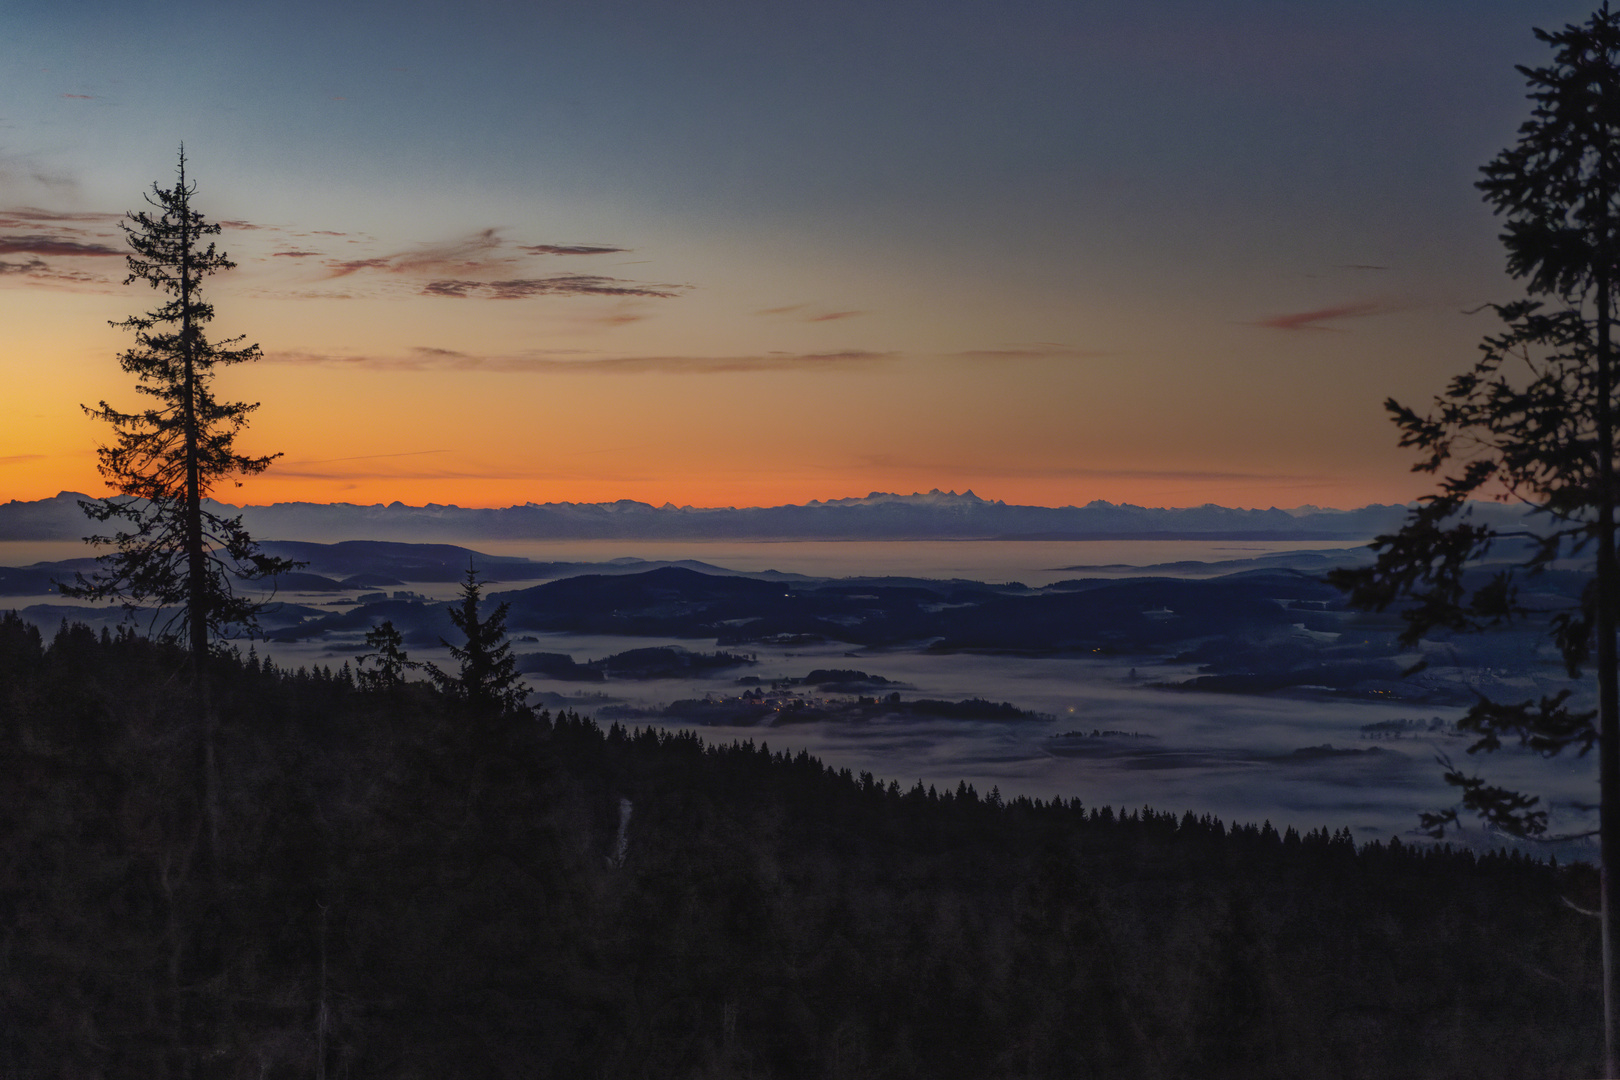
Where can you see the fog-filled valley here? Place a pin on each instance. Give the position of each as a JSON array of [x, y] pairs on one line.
[[1215, 676]]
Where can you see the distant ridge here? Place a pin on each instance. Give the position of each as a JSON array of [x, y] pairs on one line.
[[933, 515]]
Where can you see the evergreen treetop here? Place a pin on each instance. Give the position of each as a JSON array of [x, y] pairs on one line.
[[388, 658], [487, 680]]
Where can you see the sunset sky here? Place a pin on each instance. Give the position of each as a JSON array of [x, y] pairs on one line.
[[742, 253]]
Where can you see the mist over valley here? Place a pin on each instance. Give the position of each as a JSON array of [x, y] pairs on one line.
[[1219, 675]]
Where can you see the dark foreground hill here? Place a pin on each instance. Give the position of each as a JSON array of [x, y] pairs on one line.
[[390, 888]]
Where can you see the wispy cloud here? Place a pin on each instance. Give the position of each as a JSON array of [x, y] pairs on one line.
[[349, 478], [350, 473], [1316, 320], [53, 241], [52, 245], [809, 313], [484, 265], [1195, 475], [351, 266], [616, 318], [1080, 472], [42, 271], [571, 249], [19, 172], [424, 358], [311, 468], [468, 255], [49, 244], [437, 359], [301, 294], [1040, 350], [361, 457], [32, 217], [556, 285], [431, 353], [717, 365]]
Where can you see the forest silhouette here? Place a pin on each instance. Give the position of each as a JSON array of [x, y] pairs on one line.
[[408, 883]]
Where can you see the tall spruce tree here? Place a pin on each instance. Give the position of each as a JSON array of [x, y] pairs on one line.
[[1533, 421], [164, 460], [487, 680]]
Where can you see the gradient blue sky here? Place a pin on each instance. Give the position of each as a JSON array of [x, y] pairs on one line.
[[1165, 252]]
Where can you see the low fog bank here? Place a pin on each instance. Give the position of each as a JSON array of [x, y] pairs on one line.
[[1111, 738]]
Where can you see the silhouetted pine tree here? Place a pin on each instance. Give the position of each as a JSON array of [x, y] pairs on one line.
[[389, 659], [1534, 421], [166, 459], [487, 681]]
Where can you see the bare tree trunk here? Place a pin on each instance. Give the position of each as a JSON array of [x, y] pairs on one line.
[[1608, 592], [321, 1016], [196, 567], [207, 946], [196, 564]]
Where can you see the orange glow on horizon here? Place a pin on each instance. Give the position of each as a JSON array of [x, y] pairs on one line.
[[44, 478], [375, 400]]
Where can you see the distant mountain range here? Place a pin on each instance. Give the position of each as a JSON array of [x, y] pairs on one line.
[[935, 515]]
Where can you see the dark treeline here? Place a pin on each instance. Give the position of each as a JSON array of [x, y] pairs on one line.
[[403, 889]]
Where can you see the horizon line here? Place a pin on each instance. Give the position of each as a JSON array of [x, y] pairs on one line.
[[967, 494]]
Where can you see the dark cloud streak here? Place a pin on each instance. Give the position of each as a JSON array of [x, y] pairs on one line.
[[571, 249], [52, 245], [485, 266], [804, 315], [1313, 320], [39, 270], [344, 269], [367, 457], [468, 255], [1041, 350], [557, 285], [435, 359], [1073, 472], [23, 217]]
